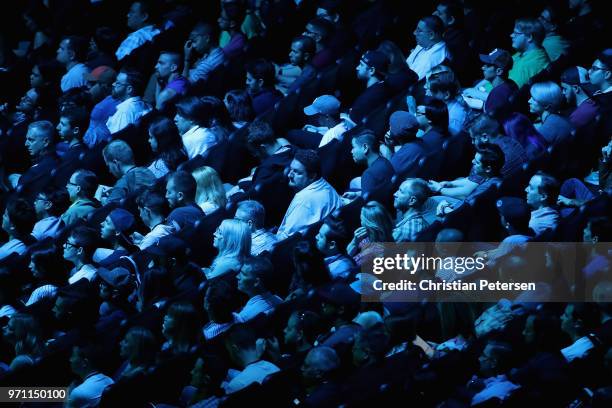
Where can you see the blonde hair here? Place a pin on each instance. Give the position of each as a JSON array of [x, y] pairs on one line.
[[209, 186], [548, 94], [377, 222], [236, 239]]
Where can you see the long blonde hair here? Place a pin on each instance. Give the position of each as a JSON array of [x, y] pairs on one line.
[[236, 239], [377, 221], [209, 186]]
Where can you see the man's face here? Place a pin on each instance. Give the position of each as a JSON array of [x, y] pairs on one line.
[[422, 34], [36, 79], [359, 152], [363, 71], [200, 41], [442, 12], [35, 143], [41, 205], [296, 55], [520, 40], [535, 107], [568, 94], [291, 331], [135, 16], [27, 103], [403, 197], [477, 165], [252, 85], [534, 197], [323, 245], [120, 87], [71, 249], [172, 196], [246, 279], [107, 228], [242, 215], [182, 124], [73, 188], [165, 66], [298, 176], [489, 72], [64, 54], [478, 138], [113, 168], [64, 130], [598, 73], [223, 21]]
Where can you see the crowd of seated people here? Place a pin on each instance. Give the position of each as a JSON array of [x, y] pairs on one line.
[[192, 193]]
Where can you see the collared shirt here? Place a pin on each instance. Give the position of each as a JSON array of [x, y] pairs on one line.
[[12, 246], [265, 303], [159, 168], [528, 64], [198, 140], [135, 40], [128, 113], [47, 227], [88, 272], [254, 372], [97, 131], [422, 61], [543, 219], [205, 65], [409, 227], [76, 77], [313, 203], [213, 329], [262, 240], [153, 237], [339, 266], [89, 392]]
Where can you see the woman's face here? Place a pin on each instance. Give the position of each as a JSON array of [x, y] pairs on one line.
[[153, 142], [535, 106], [125, 346], [107, 229], [34, 269], [217, 238], [36, 79], [168, 325]]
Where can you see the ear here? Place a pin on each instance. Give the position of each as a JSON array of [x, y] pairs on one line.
[[332, 244], [48, 205], [180, 195], [76, 130], [499, 71], [260, 81], [451, 21]]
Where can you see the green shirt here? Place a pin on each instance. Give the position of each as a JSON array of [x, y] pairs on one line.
[[527, 65], [555, 46]]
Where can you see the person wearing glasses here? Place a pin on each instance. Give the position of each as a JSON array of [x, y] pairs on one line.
[[81, 189], [78, 250], [49, 205], [431, 49], [600, 76], [530, 57], [127, 89]]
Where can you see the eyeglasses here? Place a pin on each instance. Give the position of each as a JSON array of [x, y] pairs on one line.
[[596, 68], [517, 33], [70, 244]]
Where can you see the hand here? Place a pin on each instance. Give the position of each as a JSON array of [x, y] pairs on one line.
[[360, 233], [568, 202], [443, 208], [606, 150], [137, 238], [187, 49], [434, 186], [350, 195], [412, 105]]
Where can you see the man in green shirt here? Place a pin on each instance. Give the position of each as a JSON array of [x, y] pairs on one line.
[[530, 58]]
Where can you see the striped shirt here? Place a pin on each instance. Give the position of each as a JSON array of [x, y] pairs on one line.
[[409, 227]]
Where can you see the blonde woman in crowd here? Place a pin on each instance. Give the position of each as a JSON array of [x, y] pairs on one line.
[[210, 194], [233, 241]]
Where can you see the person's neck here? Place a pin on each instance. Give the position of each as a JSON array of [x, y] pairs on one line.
[[544, 115], [79, 264], [172, 77], [531, 47], [497, 81], [605, 85], [154, 221], [581, 97], [86, 373], [251, 293], [431, 44], [248, 357], [410, 212], [141, 26], [372, 81], [74, 142], [372, 157], [71, 64], [127, 167]]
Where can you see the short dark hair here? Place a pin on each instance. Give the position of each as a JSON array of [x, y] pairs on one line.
[[309, 323], [260, 133], [154, 201], [308, 44], [21, 215], [444, 82], [454, 9], [221, 301], [375, 339], [206, 29], [337, 232], [437, 112], [59, 199], [485, 124], [491, 155], [323, 26], [150, 8], [242, 336], [86, 238], [532, 27], [106, 39], [78, 117], [78, 45], [434, 23], [239, 105], [184, 183], [87, 180], [134, 79], [256, 212], [262, 268], [549, 186], [367, 137], [262, 69], [310, 160]]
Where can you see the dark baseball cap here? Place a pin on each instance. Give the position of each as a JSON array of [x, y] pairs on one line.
[[401, 122], [118, 277], [498, 57]]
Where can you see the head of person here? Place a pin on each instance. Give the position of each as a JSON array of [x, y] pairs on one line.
[[86, 358], [496, 64], [47, 265], [514, 215], [220, 301], [239, 106], [203, 37], [403, 128], [597, 229], [370, 346], [73, 123], [572, 84], [19, 218], [319, 29], [24, 332], [363, 144], [152, 206], [72, 50], [373, 64], [181, 189], [44, 75], [305, 169], [140, 14], [40, 138], [309, 265], [332, 237], [450, 12], [328, 9], [181, 324], [190, 112], [485, 129], [545, 97], [303, 327], [105, 40], [251, 212], [128, 83], [495, 358], [577, 5], [51, 202], [256, 275], [319, 365], [232, 16], [209, 186], [169, 63], [519, 127], [139, 347], [324, 111], [528, 33], [80, 245], [163, 135], [118, 155], [579, 319], [242, 345], [82, 184], [377, 221], [542, 331], [542, 191], [412, 193], [488, 160], [30, 102], [260, 75], [444, 86], [429, 31], [600, 73], [397, 60], [233, 238], [551, 18], [302, 50], [116, 223], [433, 113]]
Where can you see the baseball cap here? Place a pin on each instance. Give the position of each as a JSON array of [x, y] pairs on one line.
[[575, 76], [498, 57], [376, 60], [103, 73], [325, 104], [401, 122], [122, 219], [118, 277]]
